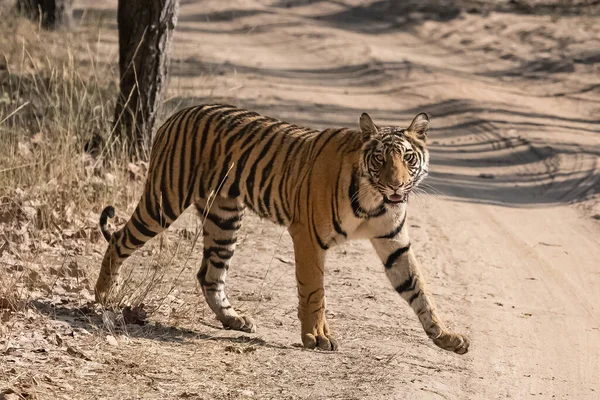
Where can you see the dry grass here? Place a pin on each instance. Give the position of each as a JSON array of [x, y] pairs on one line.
[[56, 96]]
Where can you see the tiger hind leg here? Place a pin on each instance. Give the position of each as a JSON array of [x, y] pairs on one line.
[[144, 224], [221, 222]]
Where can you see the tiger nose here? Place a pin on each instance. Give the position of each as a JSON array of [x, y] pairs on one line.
[[395, 184]]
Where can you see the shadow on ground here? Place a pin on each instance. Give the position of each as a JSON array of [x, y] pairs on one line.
[[87, 317]]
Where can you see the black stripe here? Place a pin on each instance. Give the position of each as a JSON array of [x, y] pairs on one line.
[[225, 242], [408, 284], [166, 206], [121, 255], [278, 216], [222, 253], [334, 205], [238, 120], [266, 200], [263, 134], [194, 165], [227, 118], [223, 173], [219, 264], [208, 130], [234, 121], [252, 175], [140, 225], [389, 263], [234, 189], [319, 241], [357, 209], [163, 138], [249, 127], [128, 236], [191, 189], [188, 175], [184, 164], [152, 210], [227, 224], [202, 273], [217, 134], [311, 295], [285, 204], [413, 297], [250, 131], [177, 137], [232, 209], [309, 179], [395, 231], [207, 127], [318, 310], [265, 174], [331, 136]]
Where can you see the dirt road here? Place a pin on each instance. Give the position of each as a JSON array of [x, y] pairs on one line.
[[507, 235], [516, 137]]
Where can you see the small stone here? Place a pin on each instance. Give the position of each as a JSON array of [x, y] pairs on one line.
[[112, 340]]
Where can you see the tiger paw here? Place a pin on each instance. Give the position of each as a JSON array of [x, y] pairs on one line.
[[102, 294], [453, 342], [320, 341], [105, 290], [240, 323]]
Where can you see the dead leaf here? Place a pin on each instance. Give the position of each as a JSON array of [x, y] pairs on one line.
[[24, 149], [233, 349], [110, 179], [77, 353]]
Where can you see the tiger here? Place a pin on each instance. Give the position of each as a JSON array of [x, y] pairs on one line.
[[326, 187]]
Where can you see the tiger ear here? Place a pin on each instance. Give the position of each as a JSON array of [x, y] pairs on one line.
[[419, 126], [367, 127]]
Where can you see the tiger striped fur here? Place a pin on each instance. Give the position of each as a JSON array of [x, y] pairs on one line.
[[326, 187]]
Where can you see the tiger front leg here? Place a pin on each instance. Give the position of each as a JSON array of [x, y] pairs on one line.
[[310, 264], [402, 269]]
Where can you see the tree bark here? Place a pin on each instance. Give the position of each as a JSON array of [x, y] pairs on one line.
[[145, 32], [51, 13]]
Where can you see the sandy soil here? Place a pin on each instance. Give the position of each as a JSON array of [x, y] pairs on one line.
[[508, 237]]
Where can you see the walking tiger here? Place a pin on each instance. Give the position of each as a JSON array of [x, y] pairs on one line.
[[325, 186]]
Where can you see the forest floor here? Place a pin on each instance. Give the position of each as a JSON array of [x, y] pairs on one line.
[[508, 238]]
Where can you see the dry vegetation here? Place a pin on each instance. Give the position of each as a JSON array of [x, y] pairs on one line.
[[56, 97]]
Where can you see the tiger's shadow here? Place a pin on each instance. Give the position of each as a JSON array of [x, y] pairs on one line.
[[95, 320]]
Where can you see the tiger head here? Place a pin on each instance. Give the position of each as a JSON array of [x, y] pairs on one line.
[[394, 160]]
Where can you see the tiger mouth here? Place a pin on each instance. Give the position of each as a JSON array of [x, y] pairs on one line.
[[396, 198]]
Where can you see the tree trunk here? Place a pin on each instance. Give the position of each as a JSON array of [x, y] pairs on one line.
[[145, 32], [51, 13]]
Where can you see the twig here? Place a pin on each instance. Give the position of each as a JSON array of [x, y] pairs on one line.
[[19, 167], [14, 112]]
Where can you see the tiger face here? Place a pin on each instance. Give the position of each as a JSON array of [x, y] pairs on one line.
[[395, 160]]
